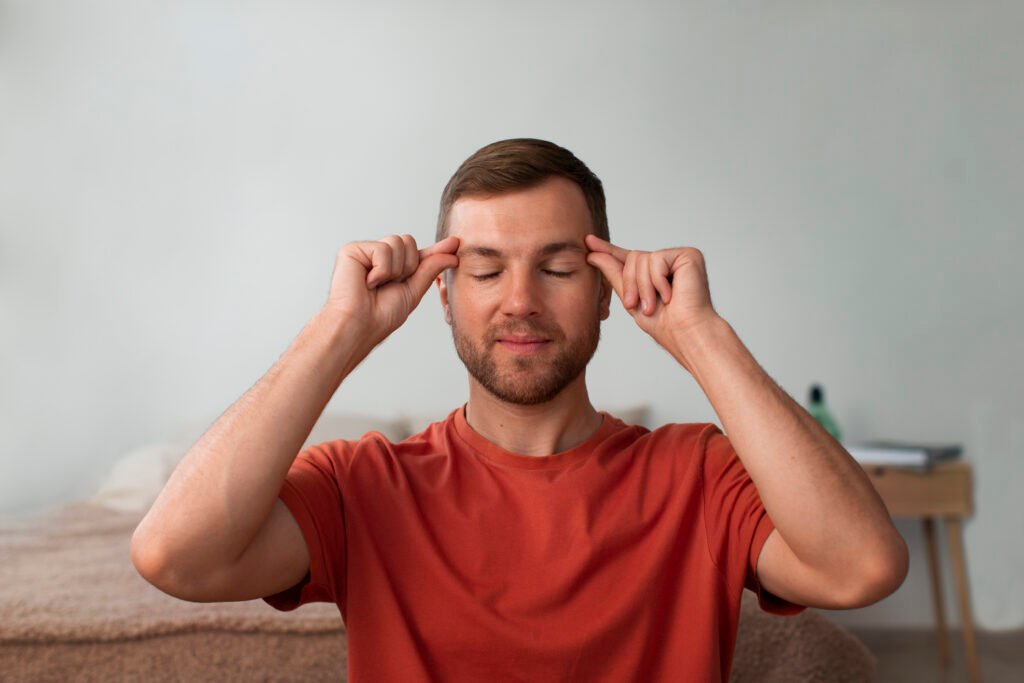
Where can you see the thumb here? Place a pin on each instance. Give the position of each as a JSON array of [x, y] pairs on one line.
[[610, 267], [427, 270]]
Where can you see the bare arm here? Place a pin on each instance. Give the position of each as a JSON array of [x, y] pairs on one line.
[[217, 531], [834, 545]]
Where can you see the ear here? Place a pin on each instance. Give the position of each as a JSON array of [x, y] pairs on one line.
[[442, 289], [605, 298]]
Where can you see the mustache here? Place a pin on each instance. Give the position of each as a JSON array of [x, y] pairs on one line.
[[520, 329]]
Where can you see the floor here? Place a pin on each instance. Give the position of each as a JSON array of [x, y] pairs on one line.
[[912, 655]]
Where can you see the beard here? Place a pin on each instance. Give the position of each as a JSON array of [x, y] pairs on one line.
[[533, 379]]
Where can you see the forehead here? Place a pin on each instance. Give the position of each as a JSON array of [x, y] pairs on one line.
[[522, 222]]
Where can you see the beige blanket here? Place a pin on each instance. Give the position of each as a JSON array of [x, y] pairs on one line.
[[67, 576]]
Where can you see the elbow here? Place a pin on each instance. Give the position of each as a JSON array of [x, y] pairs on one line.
[[883, 576], [146, 558], [156, 565], [150, 561]]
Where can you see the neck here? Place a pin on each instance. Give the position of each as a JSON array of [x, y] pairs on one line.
[[562, 423]]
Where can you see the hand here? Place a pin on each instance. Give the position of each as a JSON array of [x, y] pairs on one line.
[[380, 283], [665, 291]]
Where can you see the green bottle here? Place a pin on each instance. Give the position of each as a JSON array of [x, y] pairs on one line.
[[819, 411]]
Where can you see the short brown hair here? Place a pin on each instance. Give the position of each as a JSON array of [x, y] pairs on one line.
[[518, 164]]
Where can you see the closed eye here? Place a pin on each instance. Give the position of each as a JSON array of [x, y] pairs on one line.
[[553, 273]]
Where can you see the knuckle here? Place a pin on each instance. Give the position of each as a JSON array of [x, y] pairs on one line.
[[358, 250]]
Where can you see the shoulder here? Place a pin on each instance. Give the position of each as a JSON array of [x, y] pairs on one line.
[[375, 450], [693, 437], [671, 443], [393, 436]]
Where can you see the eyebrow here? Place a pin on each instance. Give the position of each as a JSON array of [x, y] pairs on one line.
[[546, 250]]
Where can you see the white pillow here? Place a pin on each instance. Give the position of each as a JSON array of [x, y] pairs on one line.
[[138, 477]]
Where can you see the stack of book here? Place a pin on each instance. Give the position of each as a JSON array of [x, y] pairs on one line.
[[901, 454]]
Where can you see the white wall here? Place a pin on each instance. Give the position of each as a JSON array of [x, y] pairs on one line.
[[176, 178]]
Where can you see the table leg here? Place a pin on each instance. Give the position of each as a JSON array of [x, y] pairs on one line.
[[937, 601], [956, 549]]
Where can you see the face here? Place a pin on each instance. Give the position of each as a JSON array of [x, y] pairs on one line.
[[524, 305]]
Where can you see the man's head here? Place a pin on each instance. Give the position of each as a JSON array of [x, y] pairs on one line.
[[518, 164], [524, 305]]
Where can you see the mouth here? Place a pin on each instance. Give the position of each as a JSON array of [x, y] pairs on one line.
[[523, 345]]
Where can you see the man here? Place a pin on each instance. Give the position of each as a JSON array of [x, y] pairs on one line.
[[527, 536]]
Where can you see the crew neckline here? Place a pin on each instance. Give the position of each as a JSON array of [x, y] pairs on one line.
[[496, 454]]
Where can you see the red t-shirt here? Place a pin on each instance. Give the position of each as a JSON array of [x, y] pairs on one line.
[[451, 559]]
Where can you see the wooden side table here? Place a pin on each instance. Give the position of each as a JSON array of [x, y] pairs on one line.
[[945, 491]]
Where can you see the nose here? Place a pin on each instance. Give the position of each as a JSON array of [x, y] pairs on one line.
[[522, 296]]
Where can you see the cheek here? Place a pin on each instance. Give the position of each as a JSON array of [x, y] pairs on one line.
[[586, 297], [573, 314], [471, 304]]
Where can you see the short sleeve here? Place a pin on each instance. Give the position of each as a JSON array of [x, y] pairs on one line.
[[312, 493], [736, 523]]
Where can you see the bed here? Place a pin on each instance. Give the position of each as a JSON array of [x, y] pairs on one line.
[[75, 609]]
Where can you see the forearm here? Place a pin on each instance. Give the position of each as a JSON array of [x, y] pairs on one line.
[[819, 498], [223, 490]]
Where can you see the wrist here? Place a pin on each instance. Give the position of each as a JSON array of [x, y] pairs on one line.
[[692, 343], [345, 334]]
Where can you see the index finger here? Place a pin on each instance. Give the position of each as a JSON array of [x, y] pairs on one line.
[[449, 245], [595, 243]]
